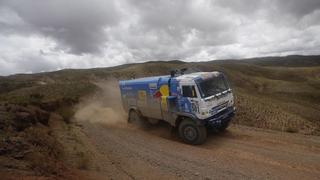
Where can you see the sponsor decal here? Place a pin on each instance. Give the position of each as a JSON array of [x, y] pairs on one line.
[[153, 85], [126, 88], [163, 93], [142, 97]]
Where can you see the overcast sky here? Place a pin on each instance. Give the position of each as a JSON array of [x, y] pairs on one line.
[[46, 35]]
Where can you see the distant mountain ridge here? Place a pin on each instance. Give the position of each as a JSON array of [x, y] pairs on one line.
[[289, 61], [285, 61]]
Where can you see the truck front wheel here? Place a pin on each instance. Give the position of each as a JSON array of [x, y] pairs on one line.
[[192, 133], [223, 126]]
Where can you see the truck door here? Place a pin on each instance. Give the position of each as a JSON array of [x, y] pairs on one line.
[[188, 103]]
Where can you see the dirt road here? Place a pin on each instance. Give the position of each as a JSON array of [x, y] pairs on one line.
[[123, 151], [239, 153]]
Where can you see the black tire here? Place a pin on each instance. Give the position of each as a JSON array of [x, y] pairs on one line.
[[136, 119], [191, 133]]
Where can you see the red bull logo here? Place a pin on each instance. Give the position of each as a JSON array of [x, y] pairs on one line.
[[163, 93]]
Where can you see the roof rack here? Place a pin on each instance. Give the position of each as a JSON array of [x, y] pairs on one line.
[[184, 70], [177, 72]]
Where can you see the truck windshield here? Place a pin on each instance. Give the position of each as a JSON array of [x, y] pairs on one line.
[[212, 86]]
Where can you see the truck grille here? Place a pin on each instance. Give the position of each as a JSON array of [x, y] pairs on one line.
[[216, 109]]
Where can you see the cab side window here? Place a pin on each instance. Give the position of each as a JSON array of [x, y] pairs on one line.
[[189, 91]]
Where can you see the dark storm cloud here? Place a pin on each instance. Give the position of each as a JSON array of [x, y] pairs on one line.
[[298, 8], [178, 28], [78, 25], [177, 18], [243, 6], [91, 33]]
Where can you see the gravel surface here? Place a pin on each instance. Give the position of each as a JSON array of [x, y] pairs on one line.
[[126, 152]]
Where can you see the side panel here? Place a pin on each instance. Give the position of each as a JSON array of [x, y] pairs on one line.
[[141, 96], [128, 96], [152, 109]]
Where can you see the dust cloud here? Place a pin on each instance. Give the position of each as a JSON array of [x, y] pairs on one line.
[[104, 106]]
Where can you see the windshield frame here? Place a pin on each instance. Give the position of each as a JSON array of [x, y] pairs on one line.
[[222, 76]]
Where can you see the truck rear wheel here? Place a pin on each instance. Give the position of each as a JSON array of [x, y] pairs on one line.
[[192, 133], [137, 119]]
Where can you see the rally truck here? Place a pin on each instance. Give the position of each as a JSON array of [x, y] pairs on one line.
[[190, 102]]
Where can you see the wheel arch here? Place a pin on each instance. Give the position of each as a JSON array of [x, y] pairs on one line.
[[134, 108], [183, 116]]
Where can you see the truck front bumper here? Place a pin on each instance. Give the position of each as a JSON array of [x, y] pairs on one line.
[[222, 117]]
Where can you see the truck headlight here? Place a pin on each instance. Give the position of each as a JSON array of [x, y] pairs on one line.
[[203, 113]]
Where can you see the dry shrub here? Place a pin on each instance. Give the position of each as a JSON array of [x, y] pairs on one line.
[[45, 151], [67, 112], [84, 160], [269, 114]]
